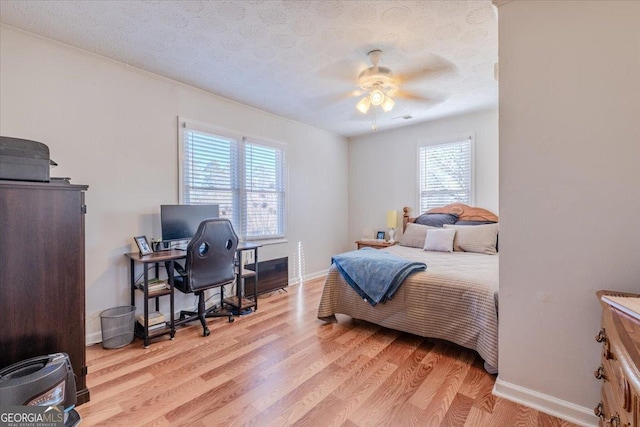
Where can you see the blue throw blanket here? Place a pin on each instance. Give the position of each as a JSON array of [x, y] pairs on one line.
[[375, 275]]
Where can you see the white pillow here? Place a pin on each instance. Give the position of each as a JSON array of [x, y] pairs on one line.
[[475, 238], [439, 239], [414, 235]]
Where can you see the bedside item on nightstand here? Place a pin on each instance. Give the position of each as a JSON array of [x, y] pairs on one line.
[[367, 234], [392, 223], [380, 235]]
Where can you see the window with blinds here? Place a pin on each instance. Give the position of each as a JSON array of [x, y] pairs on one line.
[[246, 178], [264, 191], [445, 173], [210, 172]]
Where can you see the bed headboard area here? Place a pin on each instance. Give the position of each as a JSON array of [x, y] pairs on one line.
[[462, 211]]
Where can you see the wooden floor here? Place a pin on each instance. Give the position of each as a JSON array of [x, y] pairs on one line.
[[282, 366]]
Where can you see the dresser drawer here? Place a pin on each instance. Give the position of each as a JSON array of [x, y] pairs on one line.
[[611, 411], [616, 381], [620, 356]]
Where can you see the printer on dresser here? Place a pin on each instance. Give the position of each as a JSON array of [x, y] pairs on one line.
[[24, 160], [620, 358]]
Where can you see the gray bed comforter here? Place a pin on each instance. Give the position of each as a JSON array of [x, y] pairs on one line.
[[455, 299]]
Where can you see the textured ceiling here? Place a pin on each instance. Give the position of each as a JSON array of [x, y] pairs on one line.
[[297, 59]]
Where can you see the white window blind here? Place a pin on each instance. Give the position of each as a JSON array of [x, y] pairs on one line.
[[445, 172], [209, 172], [245, 178], [264, 191]]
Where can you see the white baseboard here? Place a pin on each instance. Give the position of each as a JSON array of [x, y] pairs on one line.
[[93, 338], [545, 403]]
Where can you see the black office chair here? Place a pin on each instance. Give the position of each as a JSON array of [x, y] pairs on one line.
[[210, 263]]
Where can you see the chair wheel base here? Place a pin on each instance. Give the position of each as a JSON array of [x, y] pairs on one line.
[[231, 319]]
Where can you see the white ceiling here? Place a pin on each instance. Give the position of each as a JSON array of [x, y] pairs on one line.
[[297, 59]]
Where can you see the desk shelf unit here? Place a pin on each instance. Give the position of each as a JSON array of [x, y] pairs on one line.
[[139, 329], [238, 302], [154, 260], [241, 301]]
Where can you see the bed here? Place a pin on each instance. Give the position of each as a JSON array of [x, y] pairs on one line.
[[455, 298]]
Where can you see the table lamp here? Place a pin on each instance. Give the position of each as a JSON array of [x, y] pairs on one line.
[[392, 222]]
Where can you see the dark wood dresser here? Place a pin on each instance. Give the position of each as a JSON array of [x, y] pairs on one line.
[[42, 274], [620, 337]]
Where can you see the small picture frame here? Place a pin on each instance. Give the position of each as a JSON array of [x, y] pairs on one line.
[[143, 245], [380, 235]]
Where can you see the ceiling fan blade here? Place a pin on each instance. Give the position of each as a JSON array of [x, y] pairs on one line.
[[433, 66], [345, 70], [425, 101], [404, 94], [334, 98]]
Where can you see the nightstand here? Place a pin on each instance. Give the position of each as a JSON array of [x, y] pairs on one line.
[[376, 244]]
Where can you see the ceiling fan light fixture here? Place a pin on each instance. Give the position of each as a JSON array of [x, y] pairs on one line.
[[388, 104], [376, 96], [364, 105]]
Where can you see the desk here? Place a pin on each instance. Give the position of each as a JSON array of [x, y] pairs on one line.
[[154, 258], [238, 301]]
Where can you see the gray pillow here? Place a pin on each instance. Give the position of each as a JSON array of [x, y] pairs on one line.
[[436, 219], [414, 236]]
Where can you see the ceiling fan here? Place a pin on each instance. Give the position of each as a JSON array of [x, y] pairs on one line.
[[381, 86]]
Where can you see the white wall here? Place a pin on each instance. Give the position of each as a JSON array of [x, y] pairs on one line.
[[383, 171], [115, 129], [569, 190]]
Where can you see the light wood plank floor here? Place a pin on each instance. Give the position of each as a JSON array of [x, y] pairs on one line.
[[281, 366]]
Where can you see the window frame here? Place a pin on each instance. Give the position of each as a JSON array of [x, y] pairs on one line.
[[446, 140], [244, 190], [239, 199]]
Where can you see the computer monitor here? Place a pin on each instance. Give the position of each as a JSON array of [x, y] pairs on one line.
[[180, 222]]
